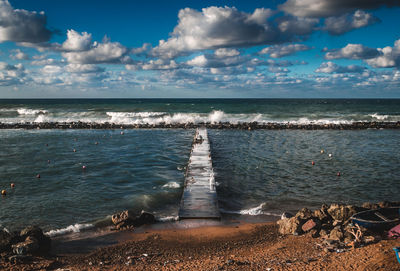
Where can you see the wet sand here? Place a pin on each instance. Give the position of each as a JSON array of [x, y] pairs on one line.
[[238, 246]]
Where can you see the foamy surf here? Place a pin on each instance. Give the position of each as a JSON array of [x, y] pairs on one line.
[[69, 229], [167, 218], [258, 210], [171, 185], [27, 111]]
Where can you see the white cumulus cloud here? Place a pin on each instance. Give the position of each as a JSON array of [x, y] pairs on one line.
[[278, 51], [353, 51]]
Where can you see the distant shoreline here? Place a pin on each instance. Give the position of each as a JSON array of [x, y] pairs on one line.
[[221, 125]]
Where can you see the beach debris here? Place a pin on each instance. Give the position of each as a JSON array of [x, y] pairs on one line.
[[3, 192], [12, 185], [394, 232], [38, 176], [309, 225]]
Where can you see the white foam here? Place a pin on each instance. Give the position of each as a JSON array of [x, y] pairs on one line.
[[171, 185], [27, 111], [69, 229], [258, 210], [168, 218], [378, 116]]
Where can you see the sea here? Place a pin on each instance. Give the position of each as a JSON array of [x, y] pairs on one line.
[[86, 175]]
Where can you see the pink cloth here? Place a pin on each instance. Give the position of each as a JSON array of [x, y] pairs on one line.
[[394, 232]]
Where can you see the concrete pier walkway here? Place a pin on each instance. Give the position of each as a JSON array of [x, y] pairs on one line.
[[199, 199]]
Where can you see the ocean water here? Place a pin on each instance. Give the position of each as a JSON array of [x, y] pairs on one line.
[[155, 111], [259, 173]]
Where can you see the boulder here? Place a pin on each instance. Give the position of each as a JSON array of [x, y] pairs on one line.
[[29, 246], [124, 217], [336, 233], [304, 214], [145, 218], [369, 205], [322, 215], [290, 225], [5, 240], [384, 204], [35, 240], [342, 212]]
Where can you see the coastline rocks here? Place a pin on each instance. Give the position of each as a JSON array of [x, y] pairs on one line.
[[5, 240], [30, 240], [341, 212], [290, 226], [127, 220]]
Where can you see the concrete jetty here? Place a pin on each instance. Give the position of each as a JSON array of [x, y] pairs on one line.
[[199, 198]]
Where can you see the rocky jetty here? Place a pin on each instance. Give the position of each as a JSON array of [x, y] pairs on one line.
[[333, 225], [128, 220], [19, 246], [220, 125]]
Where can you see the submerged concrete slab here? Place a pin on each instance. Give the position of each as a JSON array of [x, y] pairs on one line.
[[199, 198]]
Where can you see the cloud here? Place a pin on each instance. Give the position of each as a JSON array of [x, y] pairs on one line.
[[345, 23], [220, 58], [43, 62], [104, 52], [290, 26], [330, 67], [225, 52], [353, 51], [159, 64], [390, 57], [76, 41], [278, 51], [17, 54], [328, 8], [226, 27], [19, 25], [12, 74], [83, 68]]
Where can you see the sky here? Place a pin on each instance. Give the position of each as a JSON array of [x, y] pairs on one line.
[[200, 49]]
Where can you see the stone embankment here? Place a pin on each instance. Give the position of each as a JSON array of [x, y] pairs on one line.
[[333, 225]]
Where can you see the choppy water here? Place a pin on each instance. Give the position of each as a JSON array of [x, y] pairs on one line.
[[259, 173], [156, 111]]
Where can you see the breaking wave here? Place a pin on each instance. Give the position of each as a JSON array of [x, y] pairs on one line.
[[169, 118], [171, 185], [258, 210], [27, 111], [69, 229]]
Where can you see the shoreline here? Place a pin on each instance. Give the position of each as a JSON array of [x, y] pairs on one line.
[[241, 246], [221, 125]]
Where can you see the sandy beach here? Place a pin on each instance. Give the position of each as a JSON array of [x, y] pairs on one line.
[[244, 246]]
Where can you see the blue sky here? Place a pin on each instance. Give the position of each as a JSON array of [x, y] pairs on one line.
[[201, 49]]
